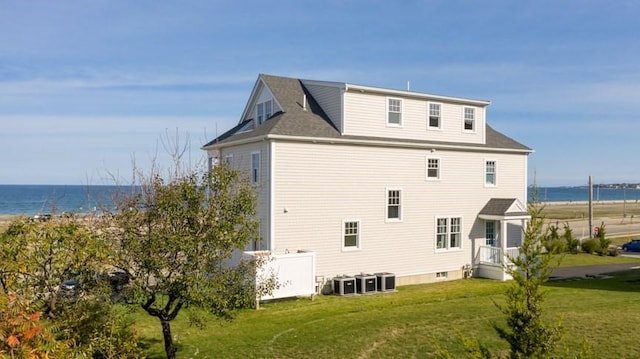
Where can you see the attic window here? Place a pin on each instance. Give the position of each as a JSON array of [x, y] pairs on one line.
[[469, 119], [264, 111]]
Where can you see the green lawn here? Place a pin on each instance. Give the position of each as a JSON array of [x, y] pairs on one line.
[[413, 322], [584, 259]]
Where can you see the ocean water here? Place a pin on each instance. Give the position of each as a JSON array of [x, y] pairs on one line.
[[574, 194], [33, 199]]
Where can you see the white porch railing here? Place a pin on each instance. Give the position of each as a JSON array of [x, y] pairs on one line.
[[495, 255]]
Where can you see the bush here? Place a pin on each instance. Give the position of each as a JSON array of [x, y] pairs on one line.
[[572, 244], [95, 328], [555, 246], [591, 246], [613, 251], [603, 241]]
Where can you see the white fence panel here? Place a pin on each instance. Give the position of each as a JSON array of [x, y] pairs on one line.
[[295, 273]]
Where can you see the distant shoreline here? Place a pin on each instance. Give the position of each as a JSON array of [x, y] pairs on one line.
[[610, 201]]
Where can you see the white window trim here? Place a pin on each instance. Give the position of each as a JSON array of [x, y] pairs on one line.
[[401, 112], [429, 127], [426, 168], [256, 179], [475, 119], [228, 159], [342, 234], [448, 248], [400, 205], [495, 173]]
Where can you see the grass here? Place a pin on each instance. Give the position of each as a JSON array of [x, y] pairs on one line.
[[580, 210], [415, 321], [584, 259]]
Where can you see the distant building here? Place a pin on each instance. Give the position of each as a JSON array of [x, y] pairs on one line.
[[378, 180]]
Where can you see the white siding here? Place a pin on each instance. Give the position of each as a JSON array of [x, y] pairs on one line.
[[242, 162], [366, 115], [330, 99], [318, 186]]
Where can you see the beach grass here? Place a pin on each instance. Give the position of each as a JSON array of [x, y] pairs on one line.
[[580, 210], [416, 321]]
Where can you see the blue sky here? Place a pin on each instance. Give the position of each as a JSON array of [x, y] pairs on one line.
[[87, 86]]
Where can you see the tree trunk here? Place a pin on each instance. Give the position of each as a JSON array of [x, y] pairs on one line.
[[169, 348]]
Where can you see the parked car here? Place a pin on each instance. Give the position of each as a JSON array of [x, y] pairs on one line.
[[70, 288], [41, 217], [632, 246]]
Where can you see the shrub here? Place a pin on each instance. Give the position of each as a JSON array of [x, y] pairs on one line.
[[591, 246], [96, 328], [572, 244], [613, 251], [603, 241], [555, 246]]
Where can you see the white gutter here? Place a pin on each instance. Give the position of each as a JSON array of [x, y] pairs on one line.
[[420, 95], [350, 141]]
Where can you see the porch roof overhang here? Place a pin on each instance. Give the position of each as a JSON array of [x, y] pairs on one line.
[[500, 209]]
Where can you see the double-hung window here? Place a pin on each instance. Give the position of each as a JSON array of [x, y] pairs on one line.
[[435, 115], [455, 232], [351, 235], [433, 168], [441, 232], [394, 112], [448, 233], [394, 209], [264, 110], [490, 173], [255, 167], [469, 114]]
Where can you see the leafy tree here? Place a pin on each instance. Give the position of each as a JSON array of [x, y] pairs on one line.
[[528, 336], [35, 258], [176, 239], [38, 256]]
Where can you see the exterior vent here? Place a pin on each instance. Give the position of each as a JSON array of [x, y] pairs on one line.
[[344, 285], [385, 281], [366, 283]]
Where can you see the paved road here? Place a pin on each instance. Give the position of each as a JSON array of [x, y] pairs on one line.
[[615, 227], [590, 271]]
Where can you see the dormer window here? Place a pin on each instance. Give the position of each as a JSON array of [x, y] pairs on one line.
[[264, 111], [469, 119]]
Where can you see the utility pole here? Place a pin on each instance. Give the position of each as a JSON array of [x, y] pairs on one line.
[[590, 207]]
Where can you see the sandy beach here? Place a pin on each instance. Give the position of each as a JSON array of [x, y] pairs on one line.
[[615, 213]]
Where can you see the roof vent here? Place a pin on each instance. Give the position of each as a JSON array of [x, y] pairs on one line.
[[304, 102]]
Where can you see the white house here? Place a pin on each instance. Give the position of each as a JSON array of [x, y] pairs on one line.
[[378, 180]]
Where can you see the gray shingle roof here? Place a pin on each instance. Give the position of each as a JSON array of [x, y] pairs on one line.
[[314, 123], [500, 207]]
